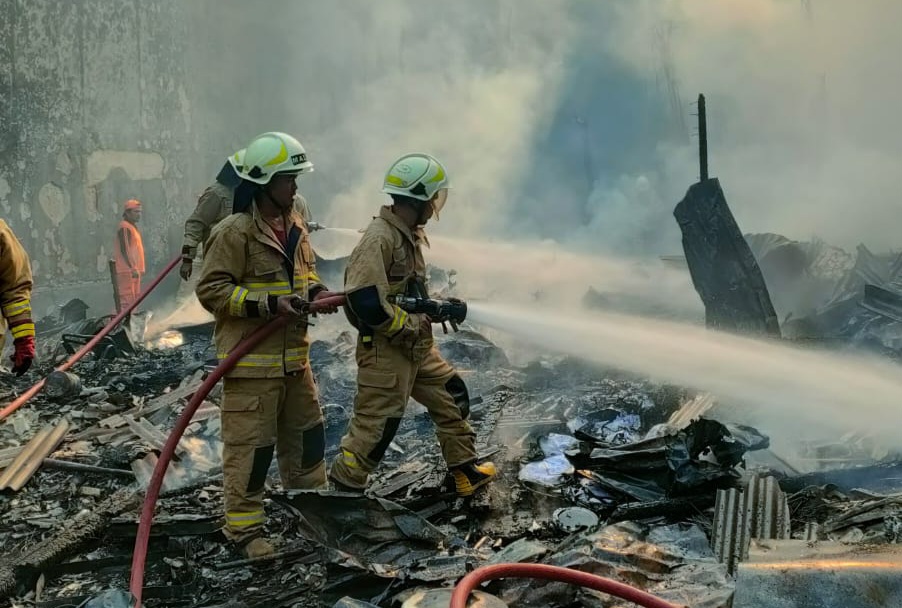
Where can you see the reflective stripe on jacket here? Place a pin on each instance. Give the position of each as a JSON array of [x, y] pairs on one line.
[[245, 268], [15, 284]]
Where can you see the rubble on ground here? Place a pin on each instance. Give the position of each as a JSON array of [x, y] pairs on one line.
[[599, 471], [821, 293], [864, 309], [825, 294]]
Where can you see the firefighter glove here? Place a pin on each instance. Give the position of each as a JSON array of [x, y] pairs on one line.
[[185, 269], [23, 355]]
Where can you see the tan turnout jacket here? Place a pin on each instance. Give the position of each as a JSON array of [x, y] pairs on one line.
[[245, 268]]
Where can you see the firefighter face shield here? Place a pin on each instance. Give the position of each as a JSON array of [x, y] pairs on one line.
[[438, 203]]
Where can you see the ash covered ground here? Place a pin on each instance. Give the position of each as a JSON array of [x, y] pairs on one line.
[[599, 470]]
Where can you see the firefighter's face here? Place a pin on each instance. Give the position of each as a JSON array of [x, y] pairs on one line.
[[282, 189], [133, 215], [426, 213]]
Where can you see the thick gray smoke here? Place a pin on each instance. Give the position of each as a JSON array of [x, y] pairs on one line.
[[802, 102], [470, 82], [361, 83], [570, 122], [562, 120]]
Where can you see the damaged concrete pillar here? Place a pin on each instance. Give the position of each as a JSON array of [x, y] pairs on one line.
[[723, 269]]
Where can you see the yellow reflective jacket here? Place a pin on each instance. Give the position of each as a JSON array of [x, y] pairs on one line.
[[15, 284], [245, 268], [213, 206], [388, 257]]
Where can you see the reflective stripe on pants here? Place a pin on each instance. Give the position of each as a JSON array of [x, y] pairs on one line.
[[257, 415]]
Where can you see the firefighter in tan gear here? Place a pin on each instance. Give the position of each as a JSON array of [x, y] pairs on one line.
[[259, 264], [396, 356], [15, 299], [214, 205]]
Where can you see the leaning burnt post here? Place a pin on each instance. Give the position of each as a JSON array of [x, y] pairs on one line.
[[724, 271], [702, 140]]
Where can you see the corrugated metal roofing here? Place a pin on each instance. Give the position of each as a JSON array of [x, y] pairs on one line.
[[760, 512], [29, 460]]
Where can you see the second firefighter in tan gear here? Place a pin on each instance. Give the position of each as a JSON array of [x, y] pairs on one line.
[[258, 265], [213, 206], [396, 354]]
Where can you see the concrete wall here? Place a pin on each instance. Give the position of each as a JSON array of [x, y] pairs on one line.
[[94, 111], [106, 100]]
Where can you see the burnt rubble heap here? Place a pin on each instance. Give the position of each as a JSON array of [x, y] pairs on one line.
[[599, 471]]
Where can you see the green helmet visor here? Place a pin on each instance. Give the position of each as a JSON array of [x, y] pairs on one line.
[[441, 197]]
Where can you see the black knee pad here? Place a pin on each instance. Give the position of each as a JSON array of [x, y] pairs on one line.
[[457, 388], [314, 449], [388, 433], [262, 460]]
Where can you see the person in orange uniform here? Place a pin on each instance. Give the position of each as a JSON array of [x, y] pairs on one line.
[[129, 255]]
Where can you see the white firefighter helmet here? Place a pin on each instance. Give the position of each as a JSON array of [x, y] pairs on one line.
[[418, 176], [272, 153], [237, 160]]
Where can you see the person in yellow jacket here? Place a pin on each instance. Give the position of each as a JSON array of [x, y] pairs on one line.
[[216, 203], [258, 265], [396, 356], [15, 299]]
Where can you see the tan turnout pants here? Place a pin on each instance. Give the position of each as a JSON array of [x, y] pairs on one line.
[[260, 416], [387, 376]]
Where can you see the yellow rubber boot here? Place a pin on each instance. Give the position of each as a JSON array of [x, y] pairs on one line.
[[471, 477]]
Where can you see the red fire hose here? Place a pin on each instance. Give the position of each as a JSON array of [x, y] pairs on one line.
[[553, 573], [34, 390], [139, 558]]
